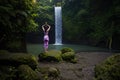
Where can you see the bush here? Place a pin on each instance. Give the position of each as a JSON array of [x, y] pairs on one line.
[[66, 49], [109, 69], [17, 59], [26, 73], [52, 55]]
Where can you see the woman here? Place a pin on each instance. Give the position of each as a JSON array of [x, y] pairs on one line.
[[46, 29]]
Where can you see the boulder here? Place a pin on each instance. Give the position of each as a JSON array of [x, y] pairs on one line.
[[109, 69], [68, 56], [8, 73], [49, 73], [66, 49], [3, 51], [16, 59], [52, 55], [26, 73]]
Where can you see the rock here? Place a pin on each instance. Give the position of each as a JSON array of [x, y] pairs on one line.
[[2, 52], [26, 73], [68, 56], [16, 59], [8, 73], [66, 49], [52, 55], [49, 73], [54, 72], [74, 60], [109, 69]]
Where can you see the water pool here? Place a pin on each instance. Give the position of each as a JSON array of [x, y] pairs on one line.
[[38, 48]]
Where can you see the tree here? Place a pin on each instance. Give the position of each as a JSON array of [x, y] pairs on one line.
[[105, 20], [16, 18], [95, 21]]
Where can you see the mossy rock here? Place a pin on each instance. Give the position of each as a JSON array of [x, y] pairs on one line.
[[54, 72], [74, 60], [52, 55], [3, 52], [8, 73], [66, 49], [26, 73], [109, 69], [68, 56], [49, 72], [16, 59]]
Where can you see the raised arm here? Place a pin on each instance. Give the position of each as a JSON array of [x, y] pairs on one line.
[[48, 27], [43, 28]]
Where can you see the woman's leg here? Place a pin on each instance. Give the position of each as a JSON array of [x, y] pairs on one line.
[[46, 42], [46, 45]]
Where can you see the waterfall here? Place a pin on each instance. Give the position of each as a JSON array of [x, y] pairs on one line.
[[58, 26]]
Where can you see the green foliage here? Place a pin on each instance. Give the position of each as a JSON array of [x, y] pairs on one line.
[[46, 12], [16, 18], [66, 49], [76, 18], [94, 21], [109, 69], [17, 59], [26, 73], [20, 14]]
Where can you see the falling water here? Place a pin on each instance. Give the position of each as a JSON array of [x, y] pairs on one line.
[[58, 26]]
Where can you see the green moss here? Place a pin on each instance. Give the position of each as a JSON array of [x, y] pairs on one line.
[[109, 69], [66, 49], [17, 59], [7, 73], [74, 60], [52, 55], [26, 73], [3, 51], [49, 72], [68, 56], [54, 72]]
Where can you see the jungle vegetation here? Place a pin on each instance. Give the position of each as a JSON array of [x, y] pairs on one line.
[[92, 22], [88, 22]]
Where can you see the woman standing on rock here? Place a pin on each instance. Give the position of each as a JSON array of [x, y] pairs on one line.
[[46, 29]]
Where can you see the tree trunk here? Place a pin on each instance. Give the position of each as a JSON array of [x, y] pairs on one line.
[[110, 37], [110, 43]]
